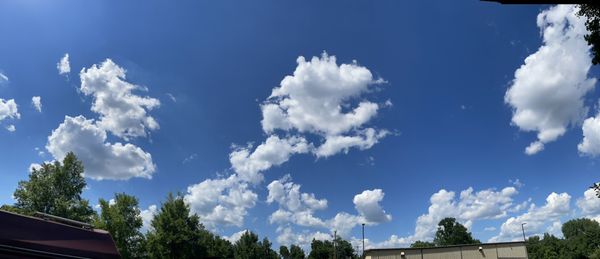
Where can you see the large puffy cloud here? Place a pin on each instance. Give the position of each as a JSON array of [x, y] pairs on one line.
[[102, 160], [317, 99], [367, 204], [221, 202], [538, 219], [548, 90], [274, 151], [320, 99], [122, 113], [63, 66]]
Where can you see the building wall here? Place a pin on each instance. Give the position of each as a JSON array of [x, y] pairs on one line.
[[488, 251]]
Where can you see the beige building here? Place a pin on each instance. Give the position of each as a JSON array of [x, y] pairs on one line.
[[506, 250]]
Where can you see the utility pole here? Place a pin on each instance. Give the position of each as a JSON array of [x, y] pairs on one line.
[[523, 228], [334, 241], [363, 234]]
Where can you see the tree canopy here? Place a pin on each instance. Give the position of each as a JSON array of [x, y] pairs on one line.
[[324, 249], [248, 247], [175, 233], [450, 232], [121, 218], [581, 240], [55, 189], [592, 14]]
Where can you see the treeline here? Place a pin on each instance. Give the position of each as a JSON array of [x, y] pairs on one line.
[[581, 240], [174, 233]]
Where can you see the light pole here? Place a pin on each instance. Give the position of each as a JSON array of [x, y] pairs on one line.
[[334, 240], [523, 229], [363, 234]]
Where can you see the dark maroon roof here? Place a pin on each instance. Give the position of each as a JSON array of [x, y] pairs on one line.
[[37, 237]]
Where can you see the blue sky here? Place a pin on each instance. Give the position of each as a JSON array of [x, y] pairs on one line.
[[170, 97]]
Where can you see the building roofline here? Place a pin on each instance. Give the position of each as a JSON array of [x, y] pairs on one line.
[[440, 247]]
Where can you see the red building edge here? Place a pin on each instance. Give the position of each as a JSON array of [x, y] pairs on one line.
[[31, 237]]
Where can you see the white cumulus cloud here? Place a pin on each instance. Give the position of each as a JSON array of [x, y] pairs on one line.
[[589, 204], [63, 65], [538, 219], [102, 160], [367, 204], [590, 145], [221, 202], [36, 101], [318, 99], [274, 151], [547, 93], [9, 110], [122, 112], [147, 216]]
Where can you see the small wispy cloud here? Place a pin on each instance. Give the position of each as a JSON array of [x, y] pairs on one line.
[[190, 158], [172, 97]]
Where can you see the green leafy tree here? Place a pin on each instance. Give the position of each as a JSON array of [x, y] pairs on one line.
[[422, 244], [450, 232], [582, 237], [123, 221], [248, 247], [592, 13], [296, 252], [175, 233], [324, 249], [55, 189], [284, 252], [549, 247], [217, 246], [266, 251]]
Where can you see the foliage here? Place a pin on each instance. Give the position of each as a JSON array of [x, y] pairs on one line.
[[296, 252], [581, 240], [592, 13], [422, 244], [175, 233], [450, 232], [55, 189], [248, 247], [324, 249], [284, 252], [122, 220]]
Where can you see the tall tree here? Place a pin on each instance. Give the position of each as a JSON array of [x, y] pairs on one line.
[[217, 246], [296, 252], [175, 233], [450, 232], [582, 236], [324, 249], [265, 250], [55, 189], [248, 247], [284, 252], [121, 218]]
